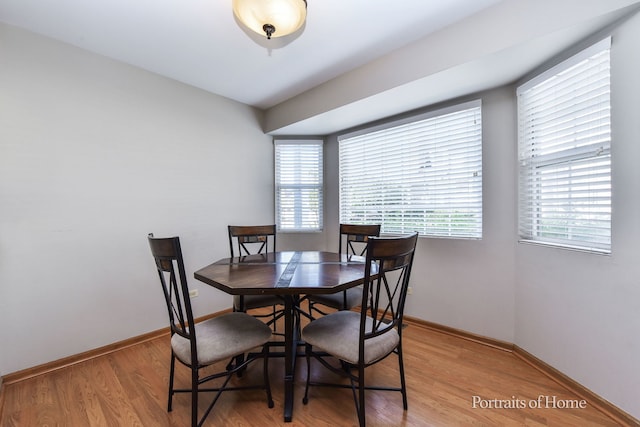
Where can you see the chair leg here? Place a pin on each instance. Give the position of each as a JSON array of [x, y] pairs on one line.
[[265, 368], [194, 396], [361, 411], [273, 313], [403, 384], [307, 352], [171, 370], [310, 310]]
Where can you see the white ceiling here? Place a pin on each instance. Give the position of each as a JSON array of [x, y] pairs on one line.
[[199, 42]]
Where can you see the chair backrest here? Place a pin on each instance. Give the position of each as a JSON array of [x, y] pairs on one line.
[[386, 285], [354, 238], [251, 239], [168, 256]]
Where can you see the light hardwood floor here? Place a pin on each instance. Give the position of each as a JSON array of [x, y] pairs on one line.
[[444, 373]]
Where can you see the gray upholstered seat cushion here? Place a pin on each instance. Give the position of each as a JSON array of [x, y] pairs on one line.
[[338, 334], [222, 337], [354, 298], [257, 301]]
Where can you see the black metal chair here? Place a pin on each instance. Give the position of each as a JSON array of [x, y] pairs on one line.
[[360, 339], [201, 344], [255, 240], [353, 241]]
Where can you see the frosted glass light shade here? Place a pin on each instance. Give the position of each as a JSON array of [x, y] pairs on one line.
[[273, 18]]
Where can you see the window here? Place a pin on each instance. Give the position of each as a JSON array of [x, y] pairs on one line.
[[564, 124], [420, 174], [298, 176]]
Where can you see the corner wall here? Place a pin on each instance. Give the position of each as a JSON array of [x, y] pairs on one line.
[[580, 312], [94, 155]]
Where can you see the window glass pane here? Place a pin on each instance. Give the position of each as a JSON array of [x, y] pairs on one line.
[[564, 153], [422, 174], [299, 185]]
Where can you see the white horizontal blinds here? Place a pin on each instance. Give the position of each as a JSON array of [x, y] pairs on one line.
[[564, 153], [299, 185], [424, 175]]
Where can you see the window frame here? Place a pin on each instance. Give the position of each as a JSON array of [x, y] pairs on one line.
[[441, 218], [303, 220], [579, 172]]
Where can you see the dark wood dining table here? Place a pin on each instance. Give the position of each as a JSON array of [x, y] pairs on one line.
[[291, 275]]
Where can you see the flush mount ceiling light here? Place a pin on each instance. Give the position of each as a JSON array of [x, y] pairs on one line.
[[273, 18]]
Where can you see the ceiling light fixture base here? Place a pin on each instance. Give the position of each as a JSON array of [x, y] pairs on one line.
[[269, 30]]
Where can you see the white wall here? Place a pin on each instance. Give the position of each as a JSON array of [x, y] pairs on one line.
[[580, 312], [94, 155]]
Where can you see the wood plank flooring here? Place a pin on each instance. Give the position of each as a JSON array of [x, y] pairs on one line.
[[444, 373]]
